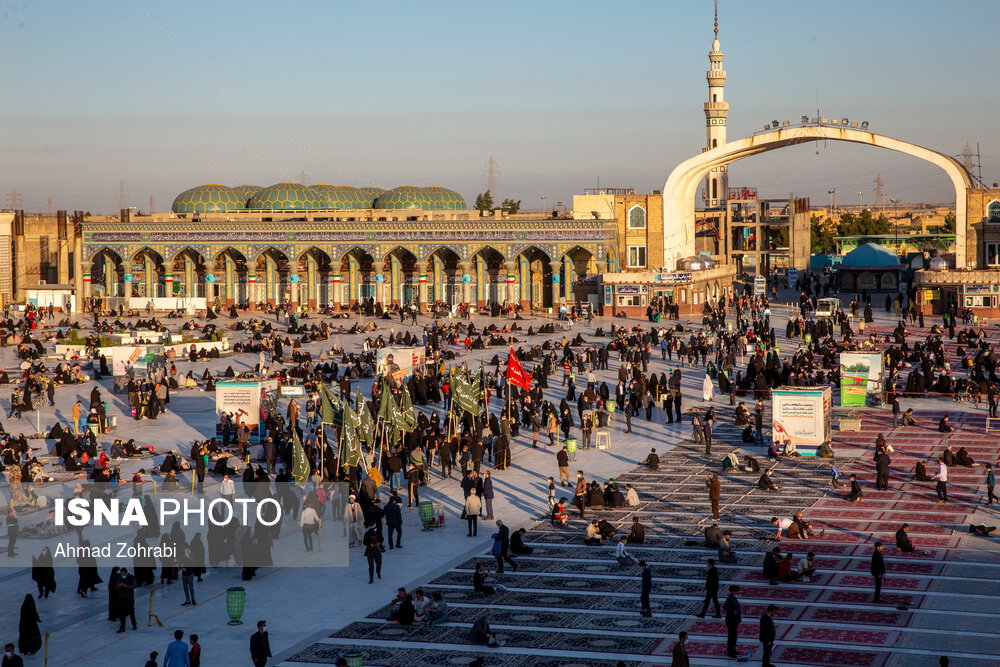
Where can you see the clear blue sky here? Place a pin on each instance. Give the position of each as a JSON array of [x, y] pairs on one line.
[[168, 95]]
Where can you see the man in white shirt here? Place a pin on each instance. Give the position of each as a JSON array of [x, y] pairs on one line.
[[421, 603], [622, 555], [631, 497], [782, 525], [309, 523], [806, 567], [942, 481], [227, 489]]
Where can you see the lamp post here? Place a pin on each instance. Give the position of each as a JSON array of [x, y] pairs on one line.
[[543, 203], [861, 202], [895, 219]]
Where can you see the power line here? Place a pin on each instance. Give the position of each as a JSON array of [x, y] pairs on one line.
[[492, 171], [14, 199]]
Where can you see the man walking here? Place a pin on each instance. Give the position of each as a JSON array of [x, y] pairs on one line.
[[733, 617], [260, 647], [991, 481], [562, 460], [647, 588], [711, 590], [942, 481], [878, 570], [503, 535], [394, 520], [581, 493], [767, 634], [714, 487], [126, 599]]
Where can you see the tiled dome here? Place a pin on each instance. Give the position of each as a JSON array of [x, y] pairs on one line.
[[407, 197], [247, 191], [210, 198], [339, 197], [448, 200], [286, 197], [369, 194]]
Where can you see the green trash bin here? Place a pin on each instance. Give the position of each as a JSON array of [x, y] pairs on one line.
[[355, 659], [571, 448], [426, 513], [236, 597]]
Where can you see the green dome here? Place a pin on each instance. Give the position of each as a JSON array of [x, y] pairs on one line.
[[339, 197], [210, 198], [247, 191], [869, 255], [286, 197], [449, 200], [369, 194], [407, 197]]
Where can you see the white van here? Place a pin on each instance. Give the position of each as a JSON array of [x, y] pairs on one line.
[[827, 307]]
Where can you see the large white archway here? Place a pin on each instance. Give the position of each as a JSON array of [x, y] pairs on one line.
[[682, 184]]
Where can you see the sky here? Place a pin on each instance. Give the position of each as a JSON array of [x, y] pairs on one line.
[[168, 95]]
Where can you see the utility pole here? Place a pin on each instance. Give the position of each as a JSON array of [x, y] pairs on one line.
[[122, 194], [50, 207], [833, 201], [895, 220], [861, 202], [303, 177], [879, 202], [544, 197], [151, 204], [979, 159], [491, 172], [14, 200]]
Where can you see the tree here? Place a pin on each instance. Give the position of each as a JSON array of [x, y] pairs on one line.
[[949, 224], [484, 201], [510, 206], [822, 235]]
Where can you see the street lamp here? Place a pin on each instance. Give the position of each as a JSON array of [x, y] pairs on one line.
[[544, 197], [895, 221], [861, 203]]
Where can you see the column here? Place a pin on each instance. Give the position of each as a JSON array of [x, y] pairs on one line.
[[334, 290], [380, 289], [556, 280], [568, 274], [422, 306], [252, 290], [127, 279], [82, 293], [466, 270], [293, 278], [510, 278], [601, 266]]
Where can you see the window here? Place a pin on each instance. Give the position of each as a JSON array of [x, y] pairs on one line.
[[993, 211], [636, 256], [715, 189], [631, 299], [715, 143], [637, 218], [992, 254]]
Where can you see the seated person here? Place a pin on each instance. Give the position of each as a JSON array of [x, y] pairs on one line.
[[963, 458], [742, 415], [903, 542], [791, 449], [908, 419], [517, 545], [606, 529], [437, 612], [855, 493], [751, 465], [593, 536], [804, 528], [785, 570], [617, 498], [981, 530], [479, 579], [622, 554], [631, 496], [772, 450], [944, 426], [807, 567], [726, 552], [921, 473], [785, 525], [481, 632], [653, 461], [825, 451], [712, 536], [171, 483], [638, 533], [747, 435], [765, 483], [559, 513]]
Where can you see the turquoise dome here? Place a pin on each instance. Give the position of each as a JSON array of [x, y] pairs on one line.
[[368, 195], [448, 200], [869, 255], [210, 198], [406, 197], [247, 191], [286, 197], [339, 197]]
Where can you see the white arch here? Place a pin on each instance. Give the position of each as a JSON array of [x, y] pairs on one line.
[[682, 184]]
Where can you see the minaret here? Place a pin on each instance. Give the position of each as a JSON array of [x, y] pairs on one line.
[[716, 110]]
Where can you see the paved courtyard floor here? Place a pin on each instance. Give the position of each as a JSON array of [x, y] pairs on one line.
[[572, 604]]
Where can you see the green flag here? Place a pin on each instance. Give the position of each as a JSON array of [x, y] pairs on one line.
[[408, 420], [300, 464], [388, 410], [366, 424], [350, 446], [328, 402], [463, 396], [479, 384]]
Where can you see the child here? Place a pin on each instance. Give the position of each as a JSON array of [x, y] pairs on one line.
[[552, 493], [152, 659], [835, 477]]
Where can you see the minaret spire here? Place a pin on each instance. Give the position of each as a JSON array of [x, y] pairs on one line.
[[716, 111]]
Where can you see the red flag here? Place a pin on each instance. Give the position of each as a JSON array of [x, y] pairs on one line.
[[516, 374]]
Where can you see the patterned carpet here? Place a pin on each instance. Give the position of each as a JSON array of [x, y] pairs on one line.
[[571, 604]]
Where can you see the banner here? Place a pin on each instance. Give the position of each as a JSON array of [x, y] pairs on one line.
[[463, 396], [250, 400], [801, 415], [400, 362], [860, 379]]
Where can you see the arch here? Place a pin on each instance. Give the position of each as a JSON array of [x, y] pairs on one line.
[[992, 212], [153, 269], [636, 217], [231, 272], [682, 184], [107, 271], [444, 275], [478, 250], [534, 266], [271, 251], [231, 252]]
